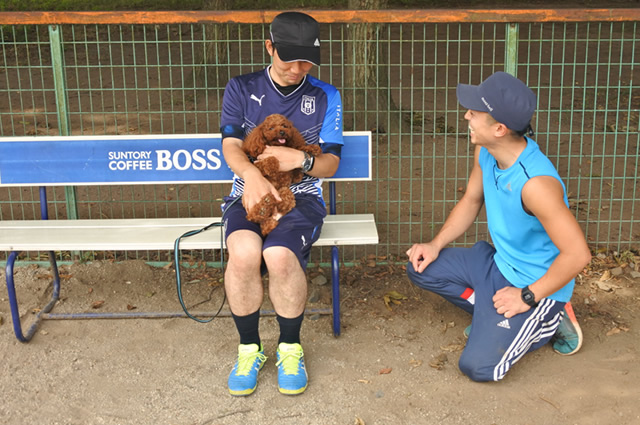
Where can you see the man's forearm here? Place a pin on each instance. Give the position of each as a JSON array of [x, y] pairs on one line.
[[460, 219]]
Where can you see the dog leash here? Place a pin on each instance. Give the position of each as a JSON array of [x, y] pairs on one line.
[[177, 258]]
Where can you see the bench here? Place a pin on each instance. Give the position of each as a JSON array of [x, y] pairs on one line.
[[160, 159]]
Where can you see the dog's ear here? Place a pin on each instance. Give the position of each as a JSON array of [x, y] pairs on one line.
[[253, 144]]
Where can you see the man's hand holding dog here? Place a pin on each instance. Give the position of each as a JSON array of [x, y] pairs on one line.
[[256, 186], [289, 158], [325, 164]]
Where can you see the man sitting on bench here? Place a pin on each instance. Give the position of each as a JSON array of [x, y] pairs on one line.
[[315, 109]]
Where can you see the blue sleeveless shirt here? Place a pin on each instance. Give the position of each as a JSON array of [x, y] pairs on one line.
[[524, 250]]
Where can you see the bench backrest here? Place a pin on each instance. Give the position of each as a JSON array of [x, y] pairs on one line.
[[141, 159]]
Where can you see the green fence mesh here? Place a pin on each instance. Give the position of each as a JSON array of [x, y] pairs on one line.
[[397, 80]]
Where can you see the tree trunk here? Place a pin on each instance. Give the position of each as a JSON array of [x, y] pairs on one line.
[[214, 53], [371, 98]]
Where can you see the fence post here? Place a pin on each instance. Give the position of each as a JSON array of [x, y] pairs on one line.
[[511, 49], [60, 87]]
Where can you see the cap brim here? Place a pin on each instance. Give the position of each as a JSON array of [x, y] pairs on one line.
[[469, 97], [288, 53]]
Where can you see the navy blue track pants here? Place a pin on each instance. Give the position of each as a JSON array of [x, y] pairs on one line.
[[468, 278]]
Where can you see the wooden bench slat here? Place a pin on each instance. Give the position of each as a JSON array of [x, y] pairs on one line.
[[155, 234]]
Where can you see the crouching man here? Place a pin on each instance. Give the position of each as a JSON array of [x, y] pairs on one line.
[[517, 289]]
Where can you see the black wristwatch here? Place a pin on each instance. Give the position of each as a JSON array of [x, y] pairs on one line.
[[528, 297], [307, 163]]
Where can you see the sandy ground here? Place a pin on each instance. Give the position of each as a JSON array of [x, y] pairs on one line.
[[395, 365]]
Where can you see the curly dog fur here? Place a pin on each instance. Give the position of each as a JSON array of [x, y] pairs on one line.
[[275, 130]]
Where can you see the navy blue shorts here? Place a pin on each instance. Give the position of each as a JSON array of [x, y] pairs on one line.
[[469, 278], [296, 230]]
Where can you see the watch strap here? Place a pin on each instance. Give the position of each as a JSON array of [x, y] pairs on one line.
[[528, 297], [308, 162]]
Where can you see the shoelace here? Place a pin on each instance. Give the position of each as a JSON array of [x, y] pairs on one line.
[[290, 362], [246, 361]]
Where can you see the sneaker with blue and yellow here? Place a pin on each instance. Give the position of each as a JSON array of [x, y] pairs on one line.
[[243, 379], [292, 374]]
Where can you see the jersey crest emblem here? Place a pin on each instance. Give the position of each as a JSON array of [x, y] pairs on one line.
[[308, 105]]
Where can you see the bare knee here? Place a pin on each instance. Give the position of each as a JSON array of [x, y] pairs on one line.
[[280, 261], [245, 251]]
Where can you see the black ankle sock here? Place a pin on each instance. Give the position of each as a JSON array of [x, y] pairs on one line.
[[248, 327], [290, 329]]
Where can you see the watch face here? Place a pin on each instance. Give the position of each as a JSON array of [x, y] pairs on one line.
[[528, 297], [307, 163]]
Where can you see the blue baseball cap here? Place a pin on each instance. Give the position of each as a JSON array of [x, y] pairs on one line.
[[507, 99]]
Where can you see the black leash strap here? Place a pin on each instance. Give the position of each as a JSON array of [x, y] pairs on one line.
[[177, 257]]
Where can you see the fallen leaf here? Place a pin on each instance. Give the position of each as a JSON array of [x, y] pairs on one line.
[[131, 307], [385, 371], [607, 287], [415, 363], [605, 276], [364, 381], [452, 347], [358, 421], [617, 330], [97, 304], [439, 362], [392, 297]]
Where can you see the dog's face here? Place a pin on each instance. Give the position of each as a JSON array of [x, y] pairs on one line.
[[278, 131], [275, 130]]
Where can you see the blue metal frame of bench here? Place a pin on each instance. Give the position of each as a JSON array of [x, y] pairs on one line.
[[140, 159]]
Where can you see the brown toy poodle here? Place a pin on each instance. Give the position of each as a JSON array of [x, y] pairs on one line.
[[275, 130]]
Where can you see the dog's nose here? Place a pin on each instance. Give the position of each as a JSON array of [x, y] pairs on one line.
[[282, 133]]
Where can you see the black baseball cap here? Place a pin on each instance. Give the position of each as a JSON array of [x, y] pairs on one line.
[[296, 37], [507, 99]]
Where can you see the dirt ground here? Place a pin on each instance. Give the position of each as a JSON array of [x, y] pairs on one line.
[[391, 365], [394, 364]]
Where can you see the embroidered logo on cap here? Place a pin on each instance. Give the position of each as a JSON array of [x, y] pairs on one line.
[[486, 104]]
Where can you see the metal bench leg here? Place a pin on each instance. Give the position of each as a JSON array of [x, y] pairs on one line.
[[335, 289], [13, 301]]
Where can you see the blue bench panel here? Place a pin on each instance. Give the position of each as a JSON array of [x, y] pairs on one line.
[[141, 159]]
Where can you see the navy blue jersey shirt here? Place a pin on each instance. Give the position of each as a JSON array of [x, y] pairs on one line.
[[315, 108]]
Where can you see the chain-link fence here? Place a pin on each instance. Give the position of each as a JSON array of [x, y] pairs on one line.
[[148, 73]]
